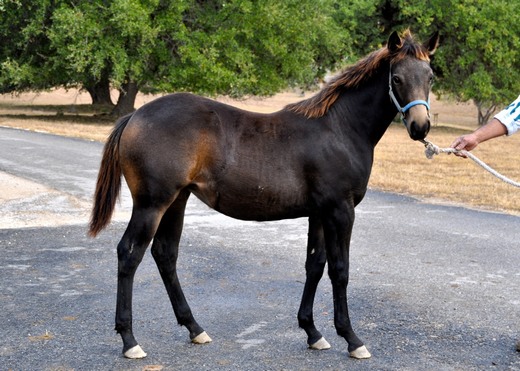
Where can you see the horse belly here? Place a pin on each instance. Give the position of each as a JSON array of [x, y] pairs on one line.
[[246, 200]]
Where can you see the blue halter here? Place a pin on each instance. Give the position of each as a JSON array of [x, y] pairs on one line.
[[403, 110]]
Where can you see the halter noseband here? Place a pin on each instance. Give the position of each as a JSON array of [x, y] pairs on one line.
[[403, 110]]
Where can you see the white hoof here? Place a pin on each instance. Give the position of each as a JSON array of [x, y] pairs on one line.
[[361, 353], [321, 344], [135, 353], [201, 338]]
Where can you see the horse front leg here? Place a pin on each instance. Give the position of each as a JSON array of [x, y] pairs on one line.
[[130, 252], [314, 266], [338, 230]]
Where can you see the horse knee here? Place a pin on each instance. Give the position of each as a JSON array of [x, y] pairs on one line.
[[165, 256], [158, 251], [314, 266], [129, 257], [314, 271], [339, 274]]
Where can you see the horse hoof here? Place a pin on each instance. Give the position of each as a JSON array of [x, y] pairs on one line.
[[201, 338], [361, 353], [135, 353], [321, 344]]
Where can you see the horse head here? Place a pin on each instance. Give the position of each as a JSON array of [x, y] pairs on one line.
[[410, 81]]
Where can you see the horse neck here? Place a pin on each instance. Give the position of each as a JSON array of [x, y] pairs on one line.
[[367, 110]]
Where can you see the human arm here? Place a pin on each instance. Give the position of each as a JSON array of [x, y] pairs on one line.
[[506, 121], [492, 129]]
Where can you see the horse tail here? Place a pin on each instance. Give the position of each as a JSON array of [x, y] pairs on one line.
[[108, 183]]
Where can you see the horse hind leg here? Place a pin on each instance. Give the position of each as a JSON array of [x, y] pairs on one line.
[[130, 252], [165, 250], [314, 267]]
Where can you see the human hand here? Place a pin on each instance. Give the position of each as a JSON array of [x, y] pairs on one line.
[[464, 143]]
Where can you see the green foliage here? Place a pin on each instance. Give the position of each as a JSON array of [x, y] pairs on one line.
[[92, 37], [24, 47], [242, 47], [252, 47], [210, 47], [363, 21], [484, 45]]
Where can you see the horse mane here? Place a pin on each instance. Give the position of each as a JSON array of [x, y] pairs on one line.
[[355, 75]]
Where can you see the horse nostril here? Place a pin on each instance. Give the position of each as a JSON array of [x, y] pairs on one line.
[[417, 131]]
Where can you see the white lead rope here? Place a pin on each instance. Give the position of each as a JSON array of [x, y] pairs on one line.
[[432, 149]]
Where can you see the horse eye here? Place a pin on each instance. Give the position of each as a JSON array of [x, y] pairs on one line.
[[432, 79], [396, 80]]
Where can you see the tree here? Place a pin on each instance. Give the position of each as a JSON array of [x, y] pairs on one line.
[[98, 42], [234, 47], [23, 46], [362, 21], [28, 59], [481, 54], [242, 47]]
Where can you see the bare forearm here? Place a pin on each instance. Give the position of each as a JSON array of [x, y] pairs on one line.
[[492, 129]]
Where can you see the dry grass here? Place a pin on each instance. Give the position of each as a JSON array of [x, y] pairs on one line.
[[400, 164], [70, 128]]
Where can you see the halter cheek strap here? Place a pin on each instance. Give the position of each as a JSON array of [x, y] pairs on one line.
[[403, 110]]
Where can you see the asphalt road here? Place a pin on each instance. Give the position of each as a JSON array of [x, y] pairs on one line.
[[433, 287]]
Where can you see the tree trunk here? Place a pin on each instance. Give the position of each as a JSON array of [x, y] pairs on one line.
[[100, 91], [484, 112], [126, 101]]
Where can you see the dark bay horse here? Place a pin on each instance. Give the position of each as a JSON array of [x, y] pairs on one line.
[[311, 159]]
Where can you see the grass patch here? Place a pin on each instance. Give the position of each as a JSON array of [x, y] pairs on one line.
[[401, 166]]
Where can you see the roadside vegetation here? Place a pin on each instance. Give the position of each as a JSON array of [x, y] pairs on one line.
[[247, 48]]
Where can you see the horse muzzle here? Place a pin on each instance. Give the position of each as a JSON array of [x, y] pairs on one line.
[[417, 121]]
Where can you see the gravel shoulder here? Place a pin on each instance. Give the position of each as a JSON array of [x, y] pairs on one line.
[[28, 204], [25, 203]]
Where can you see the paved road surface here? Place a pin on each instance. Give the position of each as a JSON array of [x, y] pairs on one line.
[[432, 287]]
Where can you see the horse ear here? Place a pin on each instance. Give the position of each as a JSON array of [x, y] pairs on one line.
[[432, 43], [394, 42]]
